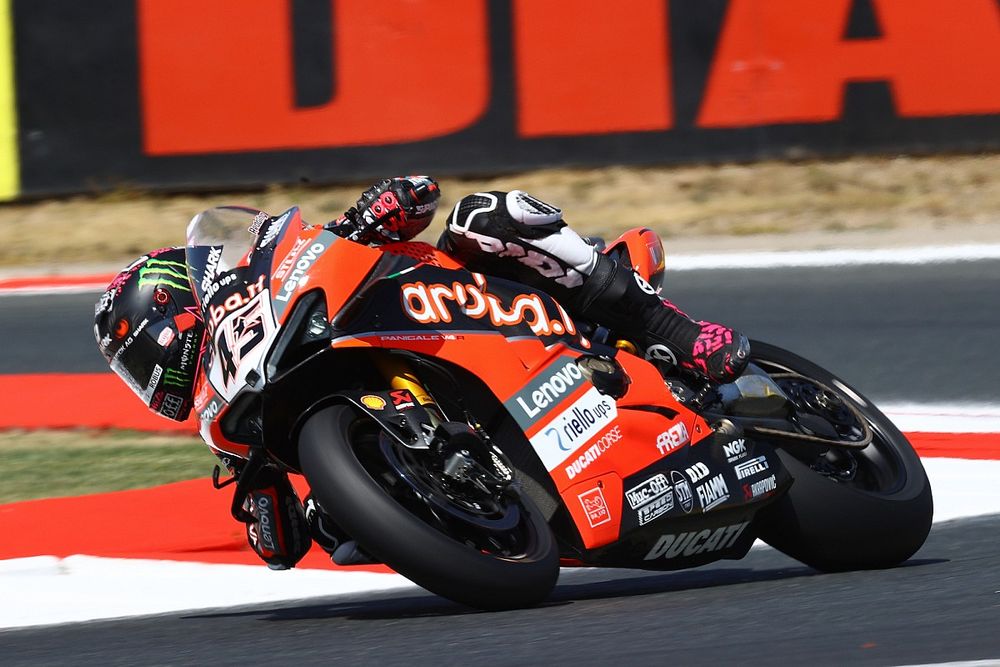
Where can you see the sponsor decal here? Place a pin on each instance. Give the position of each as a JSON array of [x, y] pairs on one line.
[[595, 507], [211, 410], [163, 272], [682, 489], [697, 472], [176, 378], [538, 396], [171, 405], [674, 437], [643, 284], [574, 427], [239, 342], [201, 397], [661, 353], [757, 489], [751, 467], [209, 284], [402, 399], [131, 339], [298, 273], [435, 302], [118, 284], [712, 493], [289, 260], [272, 231], [430, 338], [211, 267], [651, 499], [223, 281], [189, 355], [735, 450], [693, 542], [236, 300], [166, 337], [592, 453], [655, 509], [258, 222], [153, 379], [653, 488], [265, 522], [373, 402]]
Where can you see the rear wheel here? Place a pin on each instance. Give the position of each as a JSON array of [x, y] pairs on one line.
[[847, 509], [464, 541]]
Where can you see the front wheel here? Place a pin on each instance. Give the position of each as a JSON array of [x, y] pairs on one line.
[[847, 509], [490, 553]]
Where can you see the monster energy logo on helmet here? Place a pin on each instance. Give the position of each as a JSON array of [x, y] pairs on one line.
[[163, 272], [175, 378]]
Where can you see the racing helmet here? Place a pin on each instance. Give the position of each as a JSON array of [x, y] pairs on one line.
[[148, 328]]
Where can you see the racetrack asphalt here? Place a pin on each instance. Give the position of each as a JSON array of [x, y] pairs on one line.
[[766, 609], [921, 333]]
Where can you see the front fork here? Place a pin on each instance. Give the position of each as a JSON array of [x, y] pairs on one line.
[[464, 445], [402, 378]]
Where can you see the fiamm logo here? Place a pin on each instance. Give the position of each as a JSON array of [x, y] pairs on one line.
[[9, 168], [162, 272]]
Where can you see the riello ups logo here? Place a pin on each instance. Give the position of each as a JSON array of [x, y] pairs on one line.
[[768, 63]]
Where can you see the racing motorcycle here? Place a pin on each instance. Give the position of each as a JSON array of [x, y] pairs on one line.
[[471, 435]]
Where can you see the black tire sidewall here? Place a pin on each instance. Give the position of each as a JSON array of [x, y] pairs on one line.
[[833, 526], [404, 542]]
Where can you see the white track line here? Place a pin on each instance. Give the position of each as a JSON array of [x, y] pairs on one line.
[[46, 590], [840, 257], [746, 260], [944, 417]]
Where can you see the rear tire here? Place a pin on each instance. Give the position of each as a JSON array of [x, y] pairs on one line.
[[406, 542], [877, 519]]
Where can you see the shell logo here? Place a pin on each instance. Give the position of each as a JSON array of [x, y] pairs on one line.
[[373, 402]]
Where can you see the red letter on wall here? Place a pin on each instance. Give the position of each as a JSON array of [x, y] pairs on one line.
[[216, 75], [585, 68], [784, 61]]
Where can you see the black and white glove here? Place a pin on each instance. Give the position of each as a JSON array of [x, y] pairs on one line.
[[396, 209]]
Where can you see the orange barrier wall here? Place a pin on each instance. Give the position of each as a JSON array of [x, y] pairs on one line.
[[209, 93]]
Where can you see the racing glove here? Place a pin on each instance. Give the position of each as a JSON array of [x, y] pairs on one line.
[[395, 209]]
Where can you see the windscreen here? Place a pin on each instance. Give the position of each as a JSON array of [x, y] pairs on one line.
[[233, 228]]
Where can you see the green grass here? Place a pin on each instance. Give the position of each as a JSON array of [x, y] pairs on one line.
[[47, 464]]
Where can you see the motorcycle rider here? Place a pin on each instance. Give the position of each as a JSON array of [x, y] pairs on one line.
[[148, 330]]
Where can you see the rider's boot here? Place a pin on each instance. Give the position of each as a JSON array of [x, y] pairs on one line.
[[616, 295], [325, 532], [278, 532]]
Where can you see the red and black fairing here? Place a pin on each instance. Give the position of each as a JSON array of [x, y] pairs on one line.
[[516, 340], [306, 317]]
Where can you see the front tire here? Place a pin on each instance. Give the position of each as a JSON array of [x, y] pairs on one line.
[[878, 517], [338, 451]]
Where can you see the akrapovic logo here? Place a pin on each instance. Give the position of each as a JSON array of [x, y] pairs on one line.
[[545, 392]]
